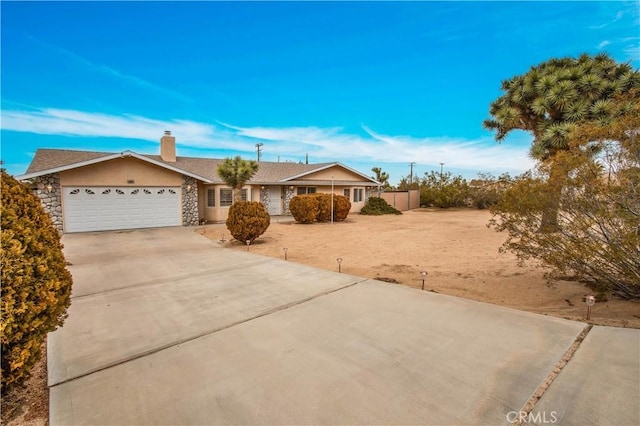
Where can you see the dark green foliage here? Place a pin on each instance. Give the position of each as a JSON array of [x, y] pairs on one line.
[[36, 285], [378, 206], [247, 220], [308, 208], [304, 208]]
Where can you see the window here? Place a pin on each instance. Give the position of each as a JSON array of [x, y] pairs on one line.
[[226, 197], [211, 197], [347, 193], [306, 190], [358, 195]]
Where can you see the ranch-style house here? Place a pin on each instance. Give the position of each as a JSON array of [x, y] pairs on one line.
[[98, 191]]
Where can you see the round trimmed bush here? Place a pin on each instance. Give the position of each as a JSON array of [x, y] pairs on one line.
[[341, 207], [247, 220], [36, 285], [323, 213], [304, 208]]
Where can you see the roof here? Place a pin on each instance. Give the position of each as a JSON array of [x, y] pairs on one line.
[[47, 161]]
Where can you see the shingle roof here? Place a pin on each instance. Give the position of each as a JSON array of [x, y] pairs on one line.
[[268, 172]]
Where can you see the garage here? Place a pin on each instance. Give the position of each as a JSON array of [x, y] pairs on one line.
[[111, 208]]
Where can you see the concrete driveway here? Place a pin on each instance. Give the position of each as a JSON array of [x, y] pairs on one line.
[[166, 327]]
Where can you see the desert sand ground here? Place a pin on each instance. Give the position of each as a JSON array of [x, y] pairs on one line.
[[456, 249]]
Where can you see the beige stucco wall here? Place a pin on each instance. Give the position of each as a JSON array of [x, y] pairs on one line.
[[338, 173], [117, 172], [217, 213]]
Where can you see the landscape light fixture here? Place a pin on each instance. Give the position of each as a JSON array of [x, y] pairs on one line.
[[590, 301], [285, 252], [222, 240], [339, 260], [248, 243], [424, 275]]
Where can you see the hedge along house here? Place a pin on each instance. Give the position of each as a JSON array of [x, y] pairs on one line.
[[98, 191]]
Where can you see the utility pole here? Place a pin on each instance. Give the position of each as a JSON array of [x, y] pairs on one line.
[[411, 173], [441, 165], [259, 146]]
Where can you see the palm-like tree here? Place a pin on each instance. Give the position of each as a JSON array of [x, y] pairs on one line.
[[235, 172], [551, 99]]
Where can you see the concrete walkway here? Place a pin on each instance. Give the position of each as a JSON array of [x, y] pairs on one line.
[[166, 327]]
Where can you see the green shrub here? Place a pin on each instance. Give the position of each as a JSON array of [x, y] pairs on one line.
[[304, 208], [377, 206], [341, 207], [247, 220], [36, 286]]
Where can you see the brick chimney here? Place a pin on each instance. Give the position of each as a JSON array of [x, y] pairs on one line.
[[168, 147]]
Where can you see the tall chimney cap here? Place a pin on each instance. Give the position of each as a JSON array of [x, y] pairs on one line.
[[167, 132]]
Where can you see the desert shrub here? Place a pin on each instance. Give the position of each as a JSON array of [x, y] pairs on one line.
[[341, 208], [247, 220], [487, 190], [443, 190], [323, 212], [303, 208], [36, 286], [378, 206]]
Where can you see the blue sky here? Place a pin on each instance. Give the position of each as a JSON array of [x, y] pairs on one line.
[[363, 83]]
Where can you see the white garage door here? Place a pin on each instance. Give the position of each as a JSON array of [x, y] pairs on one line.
[[108, 208]]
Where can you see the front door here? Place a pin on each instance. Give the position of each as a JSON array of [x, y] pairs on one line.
[[275, 200]]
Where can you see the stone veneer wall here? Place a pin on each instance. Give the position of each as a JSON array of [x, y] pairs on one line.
[[264, 197], [189, 201], [51, 199], [288, 195]]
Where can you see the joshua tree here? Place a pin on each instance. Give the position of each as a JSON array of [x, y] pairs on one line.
[[235, 173], [550, 100]]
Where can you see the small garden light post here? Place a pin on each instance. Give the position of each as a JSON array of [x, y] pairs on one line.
[[222, 240], [590, 301], [424, 276], [285, 252], [248, 243], [339, 260]]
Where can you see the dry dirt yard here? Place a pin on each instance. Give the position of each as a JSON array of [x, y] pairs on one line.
[[455, 247]]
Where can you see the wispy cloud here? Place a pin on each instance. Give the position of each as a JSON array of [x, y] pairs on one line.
[[112, 72], [324, 144]]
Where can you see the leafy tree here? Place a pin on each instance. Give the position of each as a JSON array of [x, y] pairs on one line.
[[247, 220], [235, 172], [550, 100], [36, 286], [382, 177], [598, 229]]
